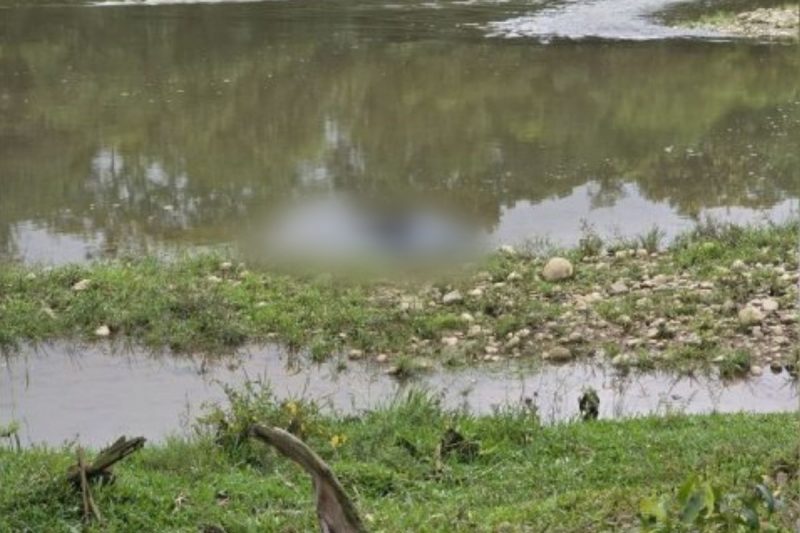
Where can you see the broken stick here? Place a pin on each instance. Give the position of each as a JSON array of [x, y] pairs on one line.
[[335, 512], [89, 507], [105, 459]]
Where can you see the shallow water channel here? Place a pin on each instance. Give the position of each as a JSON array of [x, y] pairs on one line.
[[160, 125], [60, 393]]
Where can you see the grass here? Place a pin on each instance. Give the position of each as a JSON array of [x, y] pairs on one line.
[[569, 477], [213, 305]]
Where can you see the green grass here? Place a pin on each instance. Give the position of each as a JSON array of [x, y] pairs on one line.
[[569, 477], [202, 304]]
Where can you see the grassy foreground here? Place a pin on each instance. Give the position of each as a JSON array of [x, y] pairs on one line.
[[630, 302], [592, 476]]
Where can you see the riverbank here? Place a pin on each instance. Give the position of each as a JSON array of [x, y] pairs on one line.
[[581, 476], [720, 297], [750, 20]]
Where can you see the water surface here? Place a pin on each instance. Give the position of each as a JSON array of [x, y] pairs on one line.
[[60, 393], [153, 127]]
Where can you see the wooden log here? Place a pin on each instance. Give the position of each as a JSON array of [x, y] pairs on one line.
[[335, 511], [107, 457]]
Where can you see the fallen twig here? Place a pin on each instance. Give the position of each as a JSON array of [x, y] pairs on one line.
[[89, 507], [335, 512]]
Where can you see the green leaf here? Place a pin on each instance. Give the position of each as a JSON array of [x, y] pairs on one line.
[[691, 510], [654, 510], [766, 496]]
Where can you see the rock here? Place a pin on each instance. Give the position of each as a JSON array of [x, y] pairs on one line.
[[476, 292], [750, 316], [225, 266], [559, 354], [474, 331], [450, 341], [738, 266], [102, 331], [355, 354], [507, 249], [617, 288], [491, 349], [575, 337], [467, 317], [82, 285], [776, 367], [452, 297], [30, 276], [382, 358], [514, 276], [769, 305], [756, 370], [641, 253], [213, 279], [261, 304], [623, 359], [513, 342], [557, 269]]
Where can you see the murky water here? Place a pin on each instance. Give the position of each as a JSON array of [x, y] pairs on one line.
[[152, 127], [60, 393]]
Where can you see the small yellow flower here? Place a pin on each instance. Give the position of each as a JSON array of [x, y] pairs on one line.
[[338, 440], [292, 408]]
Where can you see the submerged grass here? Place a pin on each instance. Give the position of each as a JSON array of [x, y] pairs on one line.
[[570, 477], [209, 304]]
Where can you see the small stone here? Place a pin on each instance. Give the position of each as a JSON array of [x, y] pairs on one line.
[[557, 269], [474, 331], [476, 292], [641, 253], [559, 354], [738, 265], [491, 349], [225, 266], [450, 341], [467, 317], [452, 297], [102, 331], [213, 279], [575, 337], [750, 316], [776, 367], [30, 276], [507, 249], [769, 305], [618, 288], [381, 358], [623, 359], [756, 370], [355, 354], [82, 285], [514, 276], [513, 342], [757, 332], [261, 304]]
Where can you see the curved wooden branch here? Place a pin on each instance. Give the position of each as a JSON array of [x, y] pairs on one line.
[[335, 511]]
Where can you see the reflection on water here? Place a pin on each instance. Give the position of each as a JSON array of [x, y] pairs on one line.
[[59, 393], [141, 128]]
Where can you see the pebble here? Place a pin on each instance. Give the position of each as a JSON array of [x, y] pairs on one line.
[[452, 297], [476, 292], [355, 354], [508, 249], [382, 358], [756, 370], [749, 316], [82, 285], [559, 354], [617, 288], [557, 269], [450, 341], [769, 305], [102, 331]]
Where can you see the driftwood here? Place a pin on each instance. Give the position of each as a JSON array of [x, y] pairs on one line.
[[105, 459], [89, 507], [335, 511]]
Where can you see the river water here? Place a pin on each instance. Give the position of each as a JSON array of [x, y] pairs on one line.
[[62, 393], [157, 125]]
